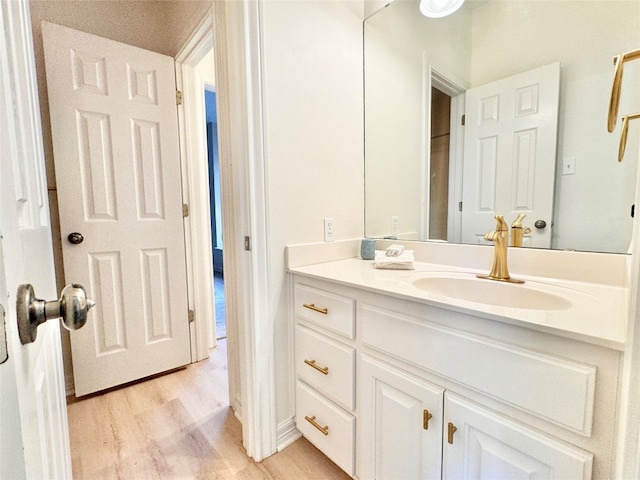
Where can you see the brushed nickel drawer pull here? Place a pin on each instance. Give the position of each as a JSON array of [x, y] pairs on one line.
[[312, 306], [312, 363], [312, 421]]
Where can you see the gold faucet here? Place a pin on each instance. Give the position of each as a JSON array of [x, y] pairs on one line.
[[499, 269], [517, 230]]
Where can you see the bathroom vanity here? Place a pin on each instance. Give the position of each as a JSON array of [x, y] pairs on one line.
[[396, 381]]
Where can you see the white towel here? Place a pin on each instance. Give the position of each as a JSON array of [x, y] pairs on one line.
[[394, 250], [404, 261]]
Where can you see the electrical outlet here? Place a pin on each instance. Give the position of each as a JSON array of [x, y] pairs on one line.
[[569, 166], [394, 225], [328, 229]]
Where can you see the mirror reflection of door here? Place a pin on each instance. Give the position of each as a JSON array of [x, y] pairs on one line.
[[511, 135]]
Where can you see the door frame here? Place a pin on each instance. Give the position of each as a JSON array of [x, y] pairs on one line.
[[436, 76], [235, 26], [191, 118]]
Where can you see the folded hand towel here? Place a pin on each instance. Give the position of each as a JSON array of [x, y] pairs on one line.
[[404, 261]]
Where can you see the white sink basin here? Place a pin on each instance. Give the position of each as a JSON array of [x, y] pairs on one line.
[[467, 287]]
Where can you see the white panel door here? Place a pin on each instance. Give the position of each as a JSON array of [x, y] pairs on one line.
[[489, 446], [510, 152], [34, 438], [399, 424], [115, 138]]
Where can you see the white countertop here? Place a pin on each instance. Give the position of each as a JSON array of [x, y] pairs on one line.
[[598, 313]]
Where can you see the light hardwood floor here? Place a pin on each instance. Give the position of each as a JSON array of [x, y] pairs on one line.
[[178, 426]]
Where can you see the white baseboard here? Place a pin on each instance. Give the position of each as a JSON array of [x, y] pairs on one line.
[[286, 434]]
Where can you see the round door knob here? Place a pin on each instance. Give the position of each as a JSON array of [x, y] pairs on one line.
[[73, 307], [540, 224], [75, 238]]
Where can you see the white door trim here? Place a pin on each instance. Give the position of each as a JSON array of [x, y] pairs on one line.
[[195, 185], [628, 451], [237, 51], [241, 48], [435, 76]]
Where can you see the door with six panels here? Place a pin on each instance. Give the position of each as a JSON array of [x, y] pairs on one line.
[[116, 153]]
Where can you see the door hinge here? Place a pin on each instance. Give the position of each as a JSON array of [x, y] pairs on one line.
[[459, 206], [192, 316], [185, 210], [178, 97], [463, 120], [247, 243]]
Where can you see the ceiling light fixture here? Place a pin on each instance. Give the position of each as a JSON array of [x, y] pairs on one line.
[[439, 8]]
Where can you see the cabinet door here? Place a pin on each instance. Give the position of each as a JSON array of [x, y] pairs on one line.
[[487, 445], [399, 424]]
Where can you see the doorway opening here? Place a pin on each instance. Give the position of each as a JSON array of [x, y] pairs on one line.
[[443, 181], [215, 202], [439, 164]]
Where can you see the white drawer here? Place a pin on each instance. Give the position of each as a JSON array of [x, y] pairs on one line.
[[338, 443], [324, 308], [326, 365]]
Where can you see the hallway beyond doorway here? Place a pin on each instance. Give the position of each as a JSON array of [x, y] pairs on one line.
[[221, 321]]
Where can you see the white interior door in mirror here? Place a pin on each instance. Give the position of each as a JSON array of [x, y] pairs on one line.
[[115, 140], [510, 150]]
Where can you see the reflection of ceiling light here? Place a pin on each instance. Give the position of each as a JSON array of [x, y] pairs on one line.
[[439, 8]]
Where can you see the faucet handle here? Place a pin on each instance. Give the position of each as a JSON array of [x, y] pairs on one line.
[[491, 236], [517, 223], [501, 227]]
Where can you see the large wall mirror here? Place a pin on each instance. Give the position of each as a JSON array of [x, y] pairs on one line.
[[423, 75]]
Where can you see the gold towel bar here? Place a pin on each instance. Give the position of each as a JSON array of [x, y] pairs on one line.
[[623, 134], [614, 101], [312, 421]]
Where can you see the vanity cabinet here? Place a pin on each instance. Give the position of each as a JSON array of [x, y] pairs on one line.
[[400, 389], [417, 430], [483, 444], [401, 419]]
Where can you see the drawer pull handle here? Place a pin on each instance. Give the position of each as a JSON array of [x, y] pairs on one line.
[[426, 416], [312, 306], [312, 421], [451, 429], [312, 363]]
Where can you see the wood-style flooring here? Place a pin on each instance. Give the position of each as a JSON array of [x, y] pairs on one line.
[[178, 426]]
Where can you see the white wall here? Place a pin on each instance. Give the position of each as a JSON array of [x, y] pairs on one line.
[[312, 85], [396, 63]]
